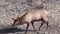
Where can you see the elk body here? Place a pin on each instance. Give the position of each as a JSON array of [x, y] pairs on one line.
[[32, 16]]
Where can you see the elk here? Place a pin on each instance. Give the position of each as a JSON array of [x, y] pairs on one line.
[[32, 16]]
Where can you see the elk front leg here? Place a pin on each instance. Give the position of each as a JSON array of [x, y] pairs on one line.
[[33, 26], [26, 28]]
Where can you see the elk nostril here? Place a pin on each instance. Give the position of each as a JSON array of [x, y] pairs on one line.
[[14, 26]]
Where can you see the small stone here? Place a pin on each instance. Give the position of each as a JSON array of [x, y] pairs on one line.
[[46, 32]]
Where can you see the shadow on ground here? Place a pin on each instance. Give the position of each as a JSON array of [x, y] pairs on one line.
[[12, 30]]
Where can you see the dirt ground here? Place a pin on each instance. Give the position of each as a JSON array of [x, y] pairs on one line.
[[9, 10]]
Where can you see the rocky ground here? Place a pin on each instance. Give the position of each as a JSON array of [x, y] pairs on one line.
[[13, 8]]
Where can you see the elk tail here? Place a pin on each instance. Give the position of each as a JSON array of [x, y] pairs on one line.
[[45, 12]]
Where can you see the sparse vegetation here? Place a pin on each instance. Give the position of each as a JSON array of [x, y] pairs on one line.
[[8, 10]]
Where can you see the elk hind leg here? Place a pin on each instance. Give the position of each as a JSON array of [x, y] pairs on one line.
[[41, 25], [46, 21], [33, 26], [26, 28], [47, 26]]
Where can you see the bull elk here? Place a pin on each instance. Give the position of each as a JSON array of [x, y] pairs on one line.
[[32, 16]]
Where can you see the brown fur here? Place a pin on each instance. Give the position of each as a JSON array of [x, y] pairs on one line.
[[30, 17]]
